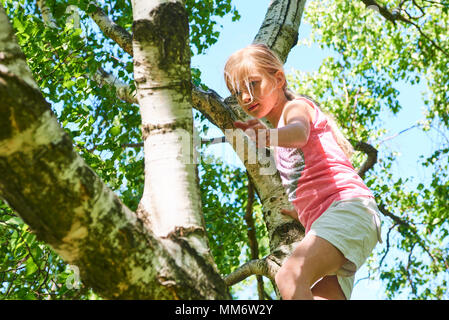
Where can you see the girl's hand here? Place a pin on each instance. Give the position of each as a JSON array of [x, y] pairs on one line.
[[291, 213], [256, 130]]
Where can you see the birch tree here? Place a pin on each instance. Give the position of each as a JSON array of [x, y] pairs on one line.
[[163, 245], [99, 157]]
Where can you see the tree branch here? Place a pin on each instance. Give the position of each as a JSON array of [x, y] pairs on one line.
[[213, 107], [263, 267], [123, 90], [409, 278], [370, 161], [387, 245], [396, 16], [279, 29], [409, 226], [47, 16], [393, 217], [392, 17], [110, 29], [267, 266]]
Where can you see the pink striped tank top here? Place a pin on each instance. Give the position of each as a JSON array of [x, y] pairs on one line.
[[317, 174]]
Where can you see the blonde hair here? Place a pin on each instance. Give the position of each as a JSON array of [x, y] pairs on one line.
[[252, 60], [259, 59]]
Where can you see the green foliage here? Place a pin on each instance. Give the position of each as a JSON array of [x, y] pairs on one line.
[[224, 196], [29, 269], [202, 22]]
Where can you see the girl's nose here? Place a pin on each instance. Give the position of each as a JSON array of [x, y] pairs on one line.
[[246, 98]]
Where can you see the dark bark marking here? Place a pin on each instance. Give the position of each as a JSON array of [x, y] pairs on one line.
[[167, 28], [148, 129], [289, 232], [14, 91]]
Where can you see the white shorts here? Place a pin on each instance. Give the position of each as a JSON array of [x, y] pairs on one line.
[[353, 227]]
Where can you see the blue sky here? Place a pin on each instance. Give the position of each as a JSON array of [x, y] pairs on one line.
[[410, 145]]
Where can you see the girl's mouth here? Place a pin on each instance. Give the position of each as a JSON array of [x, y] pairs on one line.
[[253, 107]]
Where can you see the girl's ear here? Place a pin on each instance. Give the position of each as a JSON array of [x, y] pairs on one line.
[[280, 79]]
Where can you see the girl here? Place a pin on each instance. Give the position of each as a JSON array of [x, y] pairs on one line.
[[337, 210]]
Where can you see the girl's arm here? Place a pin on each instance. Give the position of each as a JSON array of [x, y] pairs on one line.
[[295, 133]]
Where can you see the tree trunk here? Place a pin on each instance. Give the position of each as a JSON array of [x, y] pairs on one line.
[[171, 202], [68, 206]]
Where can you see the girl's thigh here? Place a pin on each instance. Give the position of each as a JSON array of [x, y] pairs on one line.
[[314, 258]]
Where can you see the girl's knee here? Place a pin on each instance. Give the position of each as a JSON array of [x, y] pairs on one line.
[[279, 277], [283, 281], [296, 272], [288, 274], [292, 283]]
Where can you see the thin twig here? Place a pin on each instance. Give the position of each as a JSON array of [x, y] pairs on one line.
[[251, 232], [410, 281], [387, 244], [409, 226], [393, 17], [399, 133]]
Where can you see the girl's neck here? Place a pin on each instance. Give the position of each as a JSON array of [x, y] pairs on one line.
[[275, 114]]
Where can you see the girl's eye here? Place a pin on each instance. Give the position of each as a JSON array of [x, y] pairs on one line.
[[253, 84]]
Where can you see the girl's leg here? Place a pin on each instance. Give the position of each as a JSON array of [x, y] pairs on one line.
[[311, 260], [328, 288]]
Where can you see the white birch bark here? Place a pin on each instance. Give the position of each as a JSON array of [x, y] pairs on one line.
[[47, 16], [279, 29], [171, 202], [123, 90]]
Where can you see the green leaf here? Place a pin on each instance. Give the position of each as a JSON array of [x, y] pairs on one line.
[[15, 221], [18, 25], [31, 267], [69, 84], [115, 131]]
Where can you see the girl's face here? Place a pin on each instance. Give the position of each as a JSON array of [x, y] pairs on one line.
[[262, 95]]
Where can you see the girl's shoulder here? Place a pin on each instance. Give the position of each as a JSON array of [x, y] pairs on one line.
[[297, 109]]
